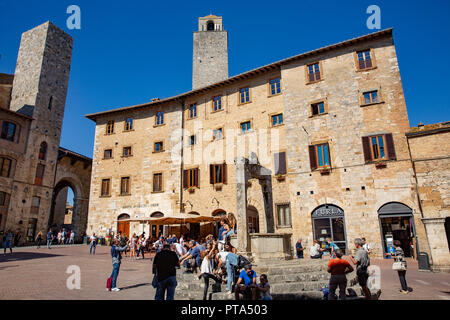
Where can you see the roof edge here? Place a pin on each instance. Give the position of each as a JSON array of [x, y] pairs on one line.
[[264, 68]]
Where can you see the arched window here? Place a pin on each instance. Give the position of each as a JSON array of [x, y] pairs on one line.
[[43, 151], [210, 25]]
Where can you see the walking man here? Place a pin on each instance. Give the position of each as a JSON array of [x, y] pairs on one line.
[[93, 243], [362, 261], [72, 237], [8, 242], [164, 267], [49, 239]]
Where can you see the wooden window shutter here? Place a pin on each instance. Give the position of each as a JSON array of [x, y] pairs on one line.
[[211, 174], [312, 157], [329, 154], [390, 146], [282, 163], [185, 179], [224, 173], [197, 177], [366, 149]]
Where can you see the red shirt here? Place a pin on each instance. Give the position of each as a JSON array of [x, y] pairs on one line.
[[338, 266]]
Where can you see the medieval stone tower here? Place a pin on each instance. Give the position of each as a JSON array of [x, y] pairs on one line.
[[39, 91], [210, 54]]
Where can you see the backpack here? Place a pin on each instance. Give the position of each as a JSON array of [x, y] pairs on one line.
[[242, 261]]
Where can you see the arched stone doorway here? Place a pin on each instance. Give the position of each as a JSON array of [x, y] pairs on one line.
[[72, 171], [123, 225], [156, 230], [63, 214], [252, 220], [397, 223], [328, 221]]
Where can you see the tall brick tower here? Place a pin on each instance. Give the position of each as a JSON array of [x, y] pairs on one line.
[[39, 91], [210, 58]]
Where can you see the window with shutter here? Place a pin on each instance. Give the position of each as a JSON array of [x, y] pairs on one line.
[[224, 173], [157, 182], [106, 187], [366, 149], [280, 163], [5, 167], [312, 158], [39, 174], [390, 147]]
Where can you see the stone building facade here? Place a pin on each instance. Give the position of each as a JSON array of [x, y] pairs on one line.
[[31, 115], [329, 124], [430, 153]]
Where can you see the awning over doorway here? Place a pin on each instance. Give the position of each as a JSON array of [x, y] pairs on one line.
[[175, 219]]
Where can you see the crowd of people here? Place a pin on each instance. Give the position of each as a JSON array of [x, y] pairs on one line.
[[339, 267], [62, 237], [209, 258]]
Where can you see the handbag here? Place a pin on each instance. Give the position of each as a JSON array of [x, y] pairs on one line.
[[109, 283], [399, 266]]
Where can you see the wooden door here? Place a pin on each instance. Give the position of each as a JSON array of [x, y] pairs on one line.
[[124, 226]]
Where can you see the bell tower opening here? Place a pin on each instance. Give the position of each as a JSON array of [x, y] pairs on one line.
[[210, 25]]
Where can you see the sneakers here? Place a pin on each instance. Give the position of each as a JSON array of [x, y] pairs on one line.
[[115, 289], [229, 291]]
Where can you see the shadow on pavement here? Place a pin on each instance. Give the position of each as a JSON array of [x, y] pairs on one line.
[[135, 286], [16, 256]]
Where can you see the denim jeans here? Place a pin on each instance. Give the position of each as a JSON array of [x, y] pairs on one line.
[[114, 274], [168, 285], [93, 244], [49, 243], [232, 261], [402, 277]]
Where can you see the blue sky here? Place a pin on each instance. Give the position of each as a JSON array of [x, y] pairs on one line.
[[128, 52]]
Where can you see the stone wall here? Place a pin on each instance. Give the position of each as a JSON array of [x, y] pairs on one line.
[[431, 156], [210, 58], [359, 189]]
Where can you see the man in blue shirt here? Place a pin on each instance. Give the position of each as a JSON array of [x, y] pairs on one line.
[[49, 239], [299, 248], [246, 284], [194, 253]]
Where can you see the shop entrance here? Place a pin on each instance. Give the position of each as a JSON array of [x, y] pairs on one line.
[[123, 226], [328, 222], [397, 223]]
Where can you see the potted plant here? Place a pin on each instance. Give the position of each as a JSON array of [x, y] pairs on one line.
[[280, 177], [218, 186], [325, 170], [191, 189]]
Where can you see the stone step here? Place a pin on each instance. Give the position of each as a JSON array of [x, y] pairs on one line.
[[304, 295], [291, 287]]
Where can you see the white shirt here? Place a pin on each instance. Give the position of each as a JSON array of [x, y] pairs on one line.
[[93, 238], [366, 247], [314, 251], [207, 266], [180, 249], [72, 235], [223, 255]]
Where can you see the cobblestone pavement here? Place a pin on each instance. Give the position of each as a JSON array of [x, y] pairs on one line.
[[30, 273]]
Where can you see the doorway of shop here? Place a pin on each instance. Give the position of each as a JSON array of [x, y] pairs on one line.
[[397, 223]]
